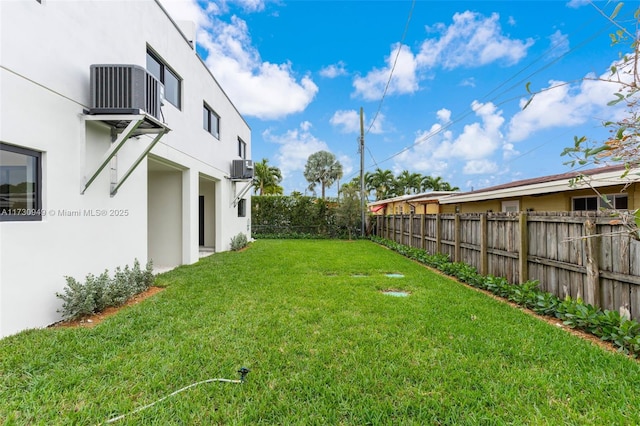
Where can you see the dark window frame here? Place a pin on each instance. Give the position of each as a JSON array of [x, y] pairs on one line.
[[207, 121], [242, 207], [34, 213], [164, 70], [242, 149], [595, 202]]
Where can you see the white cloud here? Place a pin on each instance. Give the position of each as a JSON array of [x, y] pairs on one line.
[[562, 104], [437, 150], [444, 115], [185, 10], [477, 140], [250, 5], [257, 88], [306, 125], [295, 148], [403, 81], [472, 40], [578, 3], [334, 70], [509, 151], [468, 82], [260, 89], [478, 167], [559, 44], [348, 121]]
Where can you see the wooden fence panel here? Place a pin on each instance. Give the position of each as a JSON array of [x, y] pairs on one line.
[[634, 271], [430, 234], [470, 240], [416, 231], [503, 239], [557, 248], [447, 235]]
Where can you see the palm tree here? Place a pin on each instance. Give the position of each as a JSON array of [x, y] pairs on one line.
[[436, 184], [408, 183], [446, 186], [266, 178], [322, 167], [380, 182], [428, 183]]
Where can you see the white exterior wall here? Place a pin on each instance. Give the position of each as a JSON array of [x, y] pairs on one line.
[[45, 54]]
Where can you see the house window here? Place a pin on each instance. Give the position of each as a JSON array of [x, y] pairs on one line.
[[242, 148], [242, 208], [20, 193], [211, 121], [167, 77], [591, 203], [511, 206]]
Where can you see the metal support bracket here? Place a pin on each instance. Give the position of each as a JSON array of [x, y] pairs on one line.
[[115, 186], [242, 192], [137, 125]]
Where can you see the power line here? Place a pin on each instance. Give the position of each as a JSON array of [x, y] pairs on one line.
[[519, 82], [395, 61]]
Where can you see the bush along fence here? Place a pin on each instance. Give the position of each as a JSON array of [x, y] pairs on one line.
[[608, 325], [583, 255], [297, 217], [96, 293]]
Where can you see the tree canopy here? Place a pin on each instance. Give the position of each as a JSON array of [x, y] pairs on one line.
[[266, 179], [384, 184], [322, 168]]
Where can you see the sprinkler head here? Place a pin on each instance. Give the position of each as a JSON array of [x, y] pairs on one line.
[[243, 373]]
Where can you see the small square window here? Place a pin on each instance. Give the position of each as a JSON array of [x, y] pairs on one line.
[[621, 202], [242, 208], [511, 206]]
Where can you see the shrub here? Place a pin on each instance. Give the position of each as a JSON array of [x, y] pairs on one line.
[[78, 300], [608, 325], [98, 293], [239, 242]]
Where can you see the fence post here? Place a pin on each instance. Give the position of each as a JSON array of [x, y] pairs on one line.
[[423, 237], [410, 230], [592, 246], [484, 257], [438, 234], [523, 260], [388, 226], [392, 229], [457, 233]]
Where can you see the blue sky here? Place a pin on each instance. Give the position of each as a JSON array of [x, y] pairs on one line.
[[299, 72]]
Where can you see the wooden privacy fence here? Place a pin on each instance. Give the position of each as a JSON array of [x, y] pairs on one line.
[[586, 255]]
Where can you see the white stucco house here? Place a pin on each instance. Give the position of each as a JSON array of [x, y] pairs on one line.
[[116, 144]]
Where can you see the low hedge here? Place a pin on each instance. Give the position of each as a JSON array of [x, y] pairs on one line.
[[608, 325], [96, 293]]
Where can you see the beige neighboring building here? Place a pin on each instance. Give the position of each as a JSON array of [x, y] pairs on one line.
[[425, 203], [552, 193]]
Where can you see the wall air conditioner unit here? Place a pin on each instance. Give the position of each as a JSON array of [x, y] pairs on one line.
[[124, 89], [242, 169]]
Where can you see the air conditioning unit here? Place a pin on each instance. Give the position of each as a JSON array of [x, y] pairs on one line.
[[124, 89], [242, 169]]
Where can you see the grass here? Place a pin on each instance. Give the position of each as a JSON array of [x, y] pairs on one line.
[[324, 346]]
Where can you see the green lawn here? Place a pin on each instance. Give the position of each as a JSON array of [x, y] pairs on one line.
[[324, 346]]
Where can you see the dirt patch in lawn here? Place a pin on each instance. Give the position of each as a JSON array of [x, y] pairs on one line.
[[95, 319]]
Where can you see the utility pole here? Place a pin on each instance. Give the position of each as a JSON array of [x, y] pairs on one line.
[[362, 215]]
